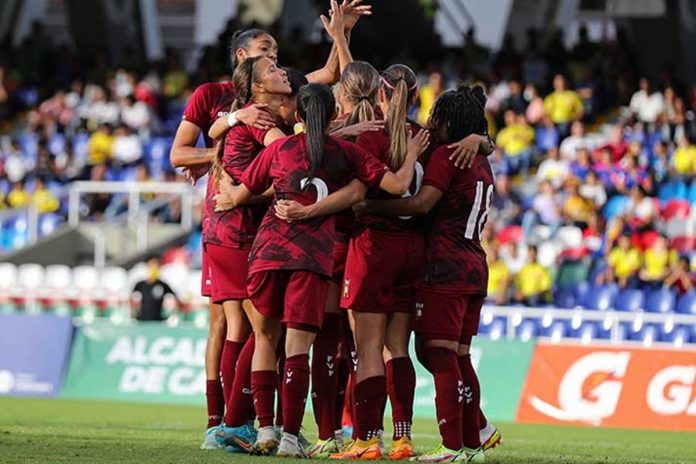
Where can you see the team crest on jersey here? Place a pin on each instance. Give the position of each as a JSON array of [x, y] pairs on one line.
[[346, 288]]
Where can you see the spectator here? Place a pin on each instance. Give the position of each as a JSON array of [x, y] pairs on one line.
[[544, 210], [641, 210], [533, 283], [617, 146], [505, 204], [684, 158], [547, 136], [593, 190], [127, 147], [657, 262], [576, 208], [43, 199], [150, 293], [660, 168], [553, 169], [97, 203], [101, 110], [647, 105], [514, 260], [498, 278], [535, 107], [577, 140], [428, 94], [175, 80], [16, 165], [516, 101], [680, 277], [18, 196], [135, 114], [582, 165], [101, 145], [516, 140], [563, 106], [624, 263]]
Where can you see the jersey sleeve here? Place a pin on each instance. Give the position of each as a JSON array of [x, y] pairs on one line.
[[369, 141], [257, 177], [197, 108], [440, 170], [366, 167], [257, 134]]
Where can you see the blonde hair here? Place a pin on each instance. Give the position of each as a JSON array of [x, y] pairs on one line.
[[359, 85], [400, 85]]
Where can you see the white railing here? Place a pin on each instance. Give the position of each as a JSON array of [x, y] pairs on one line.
[[609, 320]]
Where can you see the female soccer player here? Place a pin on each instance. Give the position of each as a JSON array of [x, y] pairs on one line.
[[290, 263], [455, 274]]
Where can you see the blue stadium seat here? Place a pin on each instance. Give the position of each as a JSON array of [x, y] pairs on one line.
[[48, 223], [557, 331], [29, 144], [650, 333], [527, 330], [615, 206], [671, 191], [81, 148], [679, 335], [56, 144], [691, 195], [661, 301], [600, 298], [687, 303], [565, 297], [630, 300], [497, 328], [582, 292], [589, 330]]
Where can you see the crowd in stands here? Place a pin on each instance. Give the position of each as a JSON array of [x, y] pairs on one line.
[[594, 164]]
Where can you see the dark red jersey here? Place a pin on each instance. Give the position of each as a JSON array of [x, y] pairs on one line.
[[236, 227], [207, 103], [303, 245], [455, 261], [378, 143]]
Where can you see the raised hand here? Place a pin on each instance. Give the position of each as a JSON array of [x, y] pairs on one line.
[[352, 11], [335, 26]]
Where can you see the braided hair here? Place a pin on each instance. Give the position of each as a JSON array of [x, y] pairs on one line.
[[461, 112], [242, 39], [400, 85], [315, 105]]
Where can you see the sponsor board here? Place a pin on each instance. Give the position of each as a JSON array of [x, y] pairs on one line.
[[611, 386], [33, 354]]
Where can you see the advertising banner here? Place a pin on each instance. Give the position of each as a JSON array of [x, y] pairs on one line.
[[502, 368], [611, 386], [141, 362], [33, 354]]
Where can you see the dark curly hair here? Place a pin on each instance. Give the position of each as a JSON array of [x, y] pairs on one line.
[[461, 112]]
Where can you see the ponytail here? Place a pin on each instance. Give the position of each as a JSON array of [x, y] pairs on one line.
[[399, 84], [359, 85], [315, 104]]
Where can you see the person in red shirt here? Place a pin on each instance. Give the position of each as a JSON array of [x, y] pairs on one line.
[[290, 262], [455, 274]]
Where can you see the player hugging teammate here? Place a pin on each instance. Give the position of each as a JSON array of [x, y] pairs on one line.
[[288, 265]]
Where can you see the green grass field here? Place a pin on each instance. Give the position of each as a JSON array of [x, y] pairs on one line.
[[62, 431]]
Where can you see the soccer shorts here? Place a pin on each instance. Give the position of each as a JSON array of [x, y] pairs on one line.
[[297, 298], [443, 316], [340, 254], [382, 271], [228, 269]]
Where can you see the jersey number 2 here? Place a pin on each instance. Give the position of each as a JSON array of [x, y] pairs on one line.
[[476, 223]]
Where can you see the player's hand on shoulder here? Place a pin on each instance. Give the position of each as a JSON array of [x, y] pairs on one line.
[[465, 151], [355, 130], [256, 115], [417, 143]]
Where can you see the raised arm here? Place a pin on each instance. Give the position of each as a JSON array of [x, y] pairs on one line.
[[336, 29], [418, 205]]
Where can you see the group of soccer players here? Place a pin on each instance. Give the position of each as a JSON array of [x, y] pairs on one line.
[[332, 222]]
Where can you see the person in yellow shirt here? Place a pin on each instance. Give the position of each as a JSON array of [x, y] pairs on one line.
[[18, 196], [427, 96], [516, 140], [563, 105], [624, 262], [657, 263], [533, 282], [576, 208], [100, 145], [684, 158], [43, 199], [498, 278]]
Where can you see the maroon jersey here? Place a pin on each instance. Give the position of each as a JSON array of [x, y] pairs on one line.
[[207, 103], [303, 245], [236, 227], [455, 261], [377, 143]]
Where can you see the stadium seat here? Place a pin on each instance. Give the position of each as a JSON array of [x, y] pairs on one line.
[[114, 280], [547, 253], [527, 330], [30, 276], [569, 237], [630, 300], [565, 297], [678, 336], [674, 190], [539, 234], [29, 144], [81, 148], [649, 334], [616, 205], [58, 277], [600, 298], [176, 276], [675, 208], [661, 301], [557, 331], [691, 195], [8, 275], [510, 234], [85, 279], [56, 143], [582, 292], [48, 223], [589, 331], [687, 303]]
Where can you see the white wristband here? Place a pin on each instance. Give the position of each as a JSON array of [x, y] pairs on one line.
[[232, 119]]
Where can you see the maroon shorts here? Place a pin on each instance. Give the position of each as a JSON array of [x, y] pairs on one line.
[[442, 316], [228, 269], [297, 298], [382, 271], [206, 282], [340, 254]]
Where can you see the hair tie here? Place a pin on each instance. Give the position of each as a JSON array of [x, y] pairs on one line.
[[392, 86]]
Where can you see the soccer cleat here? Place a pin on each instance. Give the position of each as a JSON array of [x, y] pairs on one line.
[[490, 437], [266, 441], [210, 441], [401, 449], [242, 437], [439, 454], [290, 447], [338, 435], [470, 455], [380, 441], [323, 448], [361, 450]]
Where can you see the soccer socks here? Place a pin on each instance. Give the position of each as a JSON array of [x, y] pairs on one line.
[[295, 387], [240, 404], [263, 384], [471, 405], [449, 394], [215, 401], [325, 375], [281, 373], [342, 391], [401, 387], [483, 420], [228, 365], [369, 396]]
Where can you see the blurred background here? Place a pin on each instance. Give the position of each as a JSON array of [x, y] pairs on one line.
[[591, 103]]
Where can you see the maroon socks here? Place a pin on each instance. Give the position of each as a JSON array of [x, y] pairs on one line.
[[401, 387], [215, 402], [263, 386], [470, 405], [295, 387], [369, 396], [449, 394], [325, 375], [228, 365], [240, 404]]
